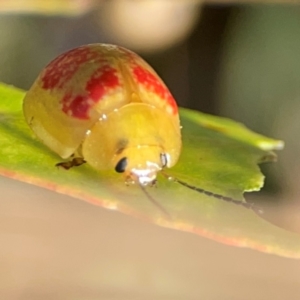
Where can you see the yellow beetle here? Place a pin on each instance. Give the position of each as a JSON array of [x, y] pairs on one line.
[[104, 105]]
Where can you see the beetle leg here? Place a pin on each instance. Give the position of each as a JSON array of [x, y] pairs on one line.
[[75, 162]]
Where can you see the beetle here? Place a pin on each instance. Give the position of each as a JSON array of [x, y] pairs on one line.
[[104, 105]]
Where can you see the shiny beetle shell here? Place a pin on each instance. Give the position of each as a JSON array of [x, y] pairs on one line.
[[105, 104]]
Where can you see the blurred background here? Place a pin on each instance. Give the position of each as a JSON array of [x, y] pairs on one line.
[[238, 60]]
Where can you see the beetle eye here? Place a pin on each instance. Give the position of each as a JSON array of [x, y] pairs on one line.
[[163, 159], [121, 165]]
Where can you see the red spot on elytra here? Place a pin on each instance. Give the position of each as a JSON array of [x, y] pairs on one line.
[[103, 80], [153, 84], [62, 69], [76, 106]]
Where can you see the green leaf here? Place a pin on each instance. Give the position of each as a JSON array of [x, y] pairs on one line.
[[218, 155]]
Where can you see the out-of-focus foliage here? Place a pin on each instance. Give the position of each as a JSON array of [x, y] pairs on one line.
[[259, 82], [47, 7]]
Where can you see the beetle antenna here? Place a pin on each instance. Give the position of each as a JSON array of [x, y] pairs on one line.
[[214, 195], [153, 201]]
